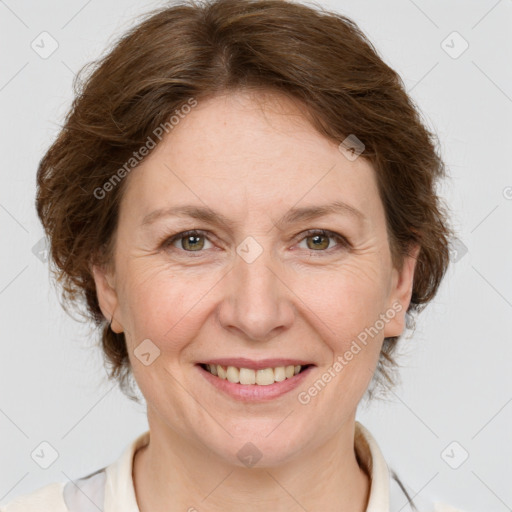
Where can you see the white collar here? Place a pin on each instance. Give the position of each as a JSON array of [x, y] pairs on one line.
[[120, 493]]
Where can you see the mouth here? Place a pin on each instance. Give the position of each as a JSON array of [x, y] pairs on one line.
[[254, 376], [250, 381]]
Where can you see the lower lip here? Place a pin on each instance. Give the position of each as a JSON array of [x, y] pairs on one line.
[[255, 392]]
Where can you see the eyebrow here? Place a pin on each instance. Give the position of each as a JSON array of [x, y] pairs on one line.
[[293, 216]]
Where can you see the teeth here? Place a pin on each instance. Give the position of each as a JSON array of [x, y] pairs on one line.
[[221, 372], [233, 374], [246, 376], [279, 374], [265, 377], [289, 371]]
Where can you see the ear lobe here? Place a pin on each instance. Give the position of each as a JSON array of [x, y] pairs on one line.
[[401, 292], [107, 296]]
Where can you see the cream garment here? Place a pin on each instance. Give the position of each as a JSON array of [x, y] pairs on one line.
[[110, 489]]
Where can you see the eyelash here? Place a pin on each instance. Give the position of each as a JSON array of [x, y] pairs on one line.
[[343, 242]]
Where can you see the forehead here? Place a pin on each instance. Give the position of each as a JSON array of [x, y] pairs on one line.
[[242, 152]]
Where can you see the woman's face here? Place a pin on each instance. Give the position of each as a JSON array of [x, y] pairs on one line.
[[252, 284]]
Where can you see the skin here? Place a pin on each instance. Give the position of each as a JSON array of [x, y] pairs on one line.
[[251, 157]]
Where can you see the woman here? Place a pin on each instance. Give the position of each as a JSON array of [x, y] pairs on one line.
[[244, 196]]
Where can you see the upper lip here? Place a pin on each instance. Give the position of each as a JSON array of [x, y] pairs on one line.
[[242, 362]]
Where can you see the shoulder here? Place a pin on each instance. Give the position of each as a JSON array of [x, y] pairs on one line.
[[82, 495], [96, 491], [45, 499]]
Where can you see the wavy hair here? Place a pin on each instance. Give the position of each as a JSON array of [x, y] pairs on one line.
[[196, 49]]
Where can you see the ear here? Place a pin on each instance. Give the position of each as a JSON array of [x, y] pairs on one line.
[[400, 294], [107, 296]]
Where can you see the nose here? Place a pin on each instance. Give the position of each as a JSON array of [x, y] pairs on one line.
[[257, 304]]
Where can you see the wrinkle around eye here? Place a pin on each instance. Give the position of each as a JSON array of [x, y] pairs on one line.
[[167, 240], [340, 243]]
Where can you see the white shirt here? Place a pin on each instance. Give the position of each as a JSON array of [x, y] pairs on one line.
[[111, 489]]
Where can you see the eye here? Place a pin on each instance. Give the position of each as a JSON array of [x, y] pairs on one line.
[[320, 240], [317, 240], [189, 241]]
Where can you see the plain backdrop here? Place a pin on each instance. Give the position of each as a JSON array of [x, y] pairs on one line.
[[447, 428]]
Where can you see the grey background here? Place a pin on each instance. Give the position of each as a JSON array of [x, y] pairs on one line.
[[456, 378]]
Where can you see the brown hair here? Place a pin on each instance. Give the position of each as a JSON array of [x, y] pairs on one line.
[[194, 49]]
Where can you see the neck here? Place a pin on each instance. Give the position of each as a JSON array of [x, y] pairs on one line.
[[172, 471]]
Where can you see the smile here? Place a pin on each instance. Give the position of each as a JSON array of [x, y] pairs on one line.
[[255, 381], [248, 376]]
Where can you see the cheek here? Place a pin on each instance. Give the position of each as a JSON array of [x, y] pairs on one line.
[[347, 300], [169, 306], [159, 305], [348, 304]]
